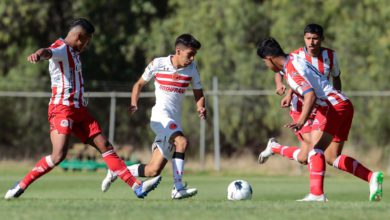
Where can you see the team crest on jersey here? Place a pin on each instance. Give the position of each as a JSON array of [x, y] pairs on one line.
[[175, 76], [172, 126], [64, 123]]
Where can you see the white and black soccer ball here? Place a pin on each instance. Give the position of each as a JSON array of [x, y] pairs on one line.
[[239, 190]]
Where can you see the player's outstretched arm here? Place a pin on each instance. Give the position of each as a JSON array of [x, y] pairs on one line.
[[135, 92], [200, 103], [41, 54]]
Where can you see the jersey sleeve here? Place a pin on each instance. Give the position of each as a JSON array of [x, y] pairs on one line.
[[299, 84], [58, 52], [150, 70], [335, 71], [195, 81]]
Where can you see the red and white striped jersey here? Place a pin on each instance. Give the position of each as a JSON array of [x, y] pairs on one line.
[[303, 77], [170, 85], [326, 63], [67, 82]]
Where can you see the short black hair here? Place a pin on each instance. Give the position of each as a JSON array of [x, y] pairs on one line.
[[84, 23], [269, 47], [188, 40], [314, 29]]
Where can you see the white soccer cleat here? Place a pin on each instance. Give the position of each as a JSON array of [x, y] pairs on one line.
[[313, 198], [14, 192], [376, 186], [267, 152], [110, 178], [146, 186], [183, 192]]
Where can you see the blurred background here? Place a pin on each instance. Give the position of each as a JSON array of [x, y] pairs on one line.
[[129, 34]]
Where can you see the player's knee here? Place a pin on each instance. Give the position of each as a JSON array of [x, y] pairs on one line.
[[181, 144], [330, 160], [58, 158]]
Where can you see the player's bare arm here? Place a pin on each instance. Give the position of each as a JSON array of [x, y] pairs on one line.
[[280, 87], [308, 102], [43, 53], [286, 100], [200, 103], [337, 83], [135, 94]]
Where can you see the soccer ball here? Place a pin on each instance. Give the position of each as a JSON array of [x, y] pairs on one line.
[[239, 190]]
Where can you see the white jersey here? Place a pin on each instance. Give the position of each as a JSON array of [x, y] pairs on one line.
[[170, 85], [67, 82]]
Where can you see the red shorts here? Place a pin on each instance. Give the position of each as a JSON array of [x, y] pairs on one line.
[[67, 120], [306, 128], [335, 120]]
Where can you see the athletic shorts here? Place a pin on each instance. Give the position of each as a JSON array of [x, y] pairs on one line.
[[306, 128], [164, 129], [335, 120], [67, 120]]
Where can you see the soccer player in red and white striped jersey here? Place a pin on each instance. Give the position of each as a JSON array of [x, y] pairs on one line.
[[68, 113], [172, 76], [331, 121]]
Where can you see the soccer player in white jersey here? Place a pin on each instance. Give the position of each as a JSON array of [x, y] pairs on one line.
[[172, 76], [68, 113], [332, 119]]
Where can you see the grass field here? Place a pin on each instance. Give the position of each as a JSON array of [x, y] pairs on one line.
[[68, 195]]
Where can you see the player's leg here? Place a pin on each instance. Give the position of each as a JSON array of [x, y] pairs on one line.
[[290, 152], [44, 165], [152, 169], [180, 190], [348, 164], [117, 165], [316, 162]]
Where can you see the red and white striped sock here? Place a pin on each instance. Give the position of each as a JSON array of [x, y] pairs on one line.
[[352, 166], [43, 166], [117, 165], [286, 151], [317, 171]]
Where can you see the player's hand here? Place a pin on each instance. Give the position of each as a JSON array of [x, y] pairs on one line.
[[295, 126], [33, 58], [132, 109], [280, 89], [202, 113], [285, 102]]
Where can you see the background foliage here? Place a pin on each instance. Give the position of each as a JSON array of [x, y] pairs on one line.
[[131, 33]]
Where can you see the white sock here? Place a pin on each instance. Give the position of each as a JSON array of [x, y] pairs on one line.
[[134, 169], [178, 168]]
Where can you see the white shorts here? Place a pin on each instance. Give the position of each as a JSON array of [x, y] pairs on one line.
[[164, 130]]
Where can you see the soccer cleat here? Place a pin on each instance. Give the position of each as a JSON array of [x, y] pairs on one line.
[[146, 186], [14, 192], [313, 198], [376, 186], [267, 152], [110, 178], [183, 192]]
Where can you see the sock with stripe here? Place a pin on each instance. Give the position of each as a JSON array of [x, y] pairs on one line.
[[317, 171], [43, 166], [178, 169], [352, 166], [115, 164]]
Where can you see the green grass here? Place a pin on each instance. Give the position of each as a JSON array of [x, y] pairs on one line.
[[67, 195]]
